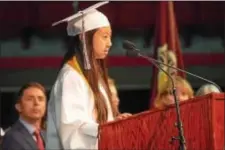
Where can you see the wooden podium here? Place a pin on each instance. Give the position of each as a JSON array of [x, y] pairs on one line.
[[203, 123]]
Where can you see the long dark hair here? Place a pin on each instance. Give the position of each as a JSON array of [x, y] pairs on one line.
[[98, 72]]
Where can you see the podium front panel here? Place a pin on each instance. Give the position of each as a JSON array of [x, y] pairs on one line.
[[154, 129]]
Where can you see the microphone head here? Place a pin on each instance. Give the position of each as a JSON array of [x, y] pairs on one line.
[[128, 45], [130, 48]]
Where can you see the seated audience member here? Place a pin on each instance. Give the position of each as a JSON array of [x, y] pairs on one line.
[[206, 89], [165, 97], [114, 92], [115, 98], [26, 133]]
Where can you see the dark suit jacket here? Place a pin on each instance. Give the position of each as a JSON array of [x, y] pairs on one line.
[[18, 138]]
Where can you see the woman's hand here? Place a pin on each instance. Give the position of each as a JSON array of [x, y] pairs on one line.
[[123, 116]]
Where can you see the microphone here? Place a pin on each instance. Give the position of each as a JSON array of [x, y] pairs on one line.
[[131, 48], [133, 51], [129, 45]]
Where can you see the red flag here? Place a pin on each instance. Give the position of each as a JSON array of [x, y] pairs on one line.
[[167, 46]]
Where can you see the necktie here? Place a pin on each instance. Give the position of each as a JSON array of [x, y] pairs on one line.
[[39, 141]]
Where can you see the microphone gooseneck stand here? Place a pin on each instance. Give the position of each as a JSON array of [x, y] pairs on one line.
[[179, 125]]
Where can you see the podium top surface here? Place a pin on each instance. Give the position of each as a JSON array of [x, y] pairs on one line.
[[211, 96]]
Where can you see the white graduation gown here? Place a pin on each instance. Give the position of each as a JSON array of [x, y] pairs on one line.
[[71, 122]]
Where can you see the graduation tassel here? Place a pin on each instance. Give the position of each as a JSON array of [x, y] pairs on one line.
[[87, 65]]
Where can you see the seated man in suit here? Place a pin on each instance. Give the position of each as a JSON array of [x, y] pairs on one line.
[[26, 134]]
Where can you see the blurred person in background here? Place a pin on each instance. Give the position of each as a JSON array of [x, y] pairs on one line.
[[114, 92], [115, 97], [26, 133], [206, 89], [165, 97]]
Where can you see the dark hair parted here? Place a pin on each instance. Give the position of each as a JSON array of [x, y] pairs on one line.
[[97, 73], [29, 85]]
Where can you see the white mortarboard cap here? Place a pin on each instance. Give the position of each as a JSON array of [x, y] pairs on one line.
[[83, 21], [92, 18]]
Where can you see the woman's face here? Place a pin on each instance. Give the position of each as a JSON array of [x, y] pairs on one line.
[[168, 99], [182, 95], [102, 42]]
